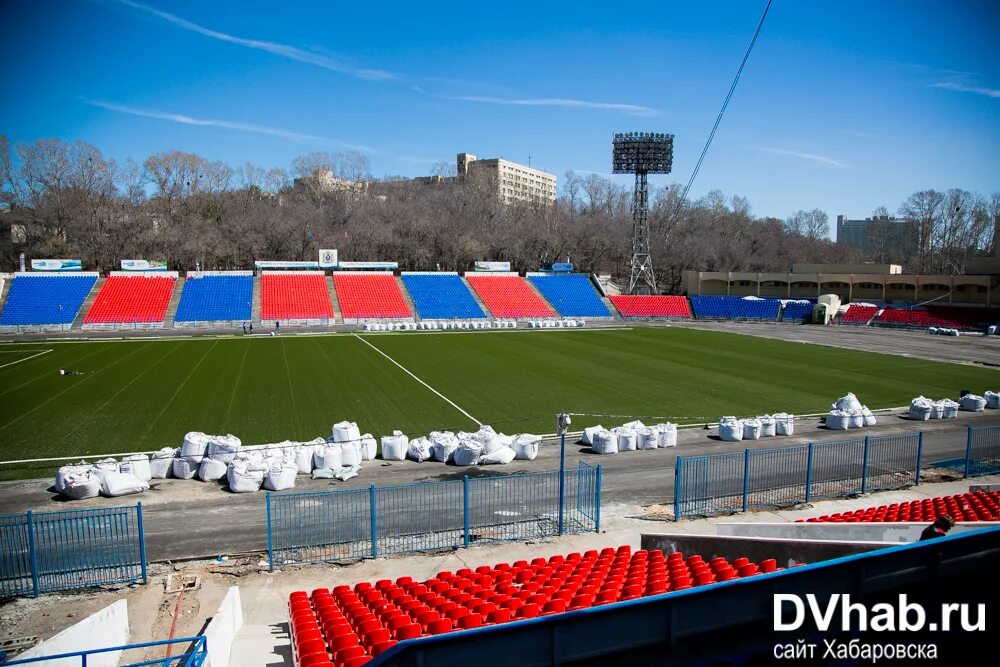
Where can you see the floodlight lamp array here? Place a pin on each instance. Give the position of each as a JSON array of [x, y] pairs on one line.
[[637, 152]]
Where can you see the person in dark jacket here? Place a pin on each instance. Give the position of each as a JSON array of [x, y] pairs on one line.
[[939, 528]]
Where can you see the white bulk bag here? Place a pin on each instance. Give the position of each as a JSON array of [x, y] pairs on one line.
[[666, 434], [223, 447], [605, 442], [920, 409], [443, 445], [937, 409], [856, 420], [81, 485], [634, 426], [588, 434], [731, 429], [502, 455], [784, 423], [195, 444], [139, 464], [626, 438], [211, 470], [847, 403], [117, 484], [346, 431], [350, 454], [65, 471], [487, 437], [972, 403], [304, 458], [368, 447], [526, 446], [186, 467], [329, 455], [104, 466], [467, 453], [751, 429], [162, 464], [505, 440], [949, 409], [419, 449], [838, 420], [394, 446], [646, 438], [280, 477], [242, 478], [768, 427], [992, 400], [867, 417]]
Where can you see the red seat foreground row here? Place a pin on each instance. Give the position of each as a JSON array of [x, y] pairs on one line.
[[652, 306], [131, 299], [295, 295], [347, 627], [973, 506]]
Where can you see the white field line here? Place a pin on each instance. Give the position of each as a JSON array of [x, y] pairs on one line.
[[25, 359], [407, 371]]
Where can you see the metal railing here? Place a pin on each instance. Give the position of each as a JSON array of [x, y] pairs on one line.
[[194, 657], [982, 451], [322, 526], [756, 478], [42, 552]]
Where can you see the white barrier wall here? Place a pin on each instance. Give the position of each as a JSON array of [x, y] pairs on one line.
[[842, 532], [222, 629], [108, 627]]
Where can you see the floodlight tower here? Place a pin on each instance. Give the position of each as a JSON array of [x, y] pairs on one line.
[[642, 153]]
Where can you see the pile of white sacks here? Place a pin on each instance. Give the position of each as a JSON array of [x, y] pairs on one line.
[[556, 324], [630, 437], [942, 331], [443, 325], [848, 413], [922, 409], [732, 429], [107, 477], [484, 447]]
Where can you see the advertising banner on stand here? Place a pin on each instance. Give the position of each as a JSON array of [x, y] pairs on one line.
[[268, 264], [492, 266], [374, 266], [56, 265], [144, 265]]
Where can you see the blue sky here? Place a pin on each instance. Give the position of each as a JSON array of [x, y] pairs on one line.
[[844, 105]]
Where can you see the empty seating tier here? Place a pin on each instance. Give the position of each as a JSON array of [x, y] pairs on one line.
[[216, 298], [856, 314], [441, 296], [348, 627], [509, 296], [899, 317], [652, 306], [132, 299], [972, 506], [796, 311], [294, 295], [967, 318], [45, 299], [571, 294], [734, 308], [367, 296]]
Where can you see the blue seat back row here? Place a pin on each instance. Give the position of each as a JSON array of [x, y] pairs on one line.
[[441, 296], [45, 299], [214, 298], [572, 294], [796, 312], [735, 308]]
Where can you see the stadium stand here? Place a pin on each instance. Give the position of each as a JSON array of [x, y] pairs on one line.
[[966, 318], [734, 308], [972, 506], [351, 626], [571, 294], [370, 295], [858, 315], [216, 297], [899, 317], [509, 295], [795, 311], [132, 299], [441, 296], [652, 306], [45, 298], [295, 296]]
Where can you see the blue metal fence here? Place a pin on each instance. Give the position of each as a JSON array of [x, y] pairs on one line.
[[365, 523], [42, 552], [754, 478], [194, 656], [982, 451]]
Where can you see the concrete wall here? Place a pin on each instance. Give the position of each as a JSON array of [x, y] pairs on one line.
[[786, 552], [841, 532], [221, 631], [108, 627]]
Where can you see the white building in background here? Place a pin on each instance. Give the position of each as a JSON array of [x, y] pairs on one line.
[[515, 182]]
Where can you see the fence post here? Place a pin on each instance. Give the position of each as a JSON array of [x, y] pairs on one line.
[[465, 507], [864, 467], [746, 477], [809, 473], [562, 478], [920, 456], [677, 489], [31, 554], [142, 542], [371, 502], [968, 452], [597, 511], [270, 542]]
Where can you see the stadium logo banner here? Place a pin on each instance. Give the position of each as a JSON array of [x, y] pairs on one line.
[[562, 267], [56, 265], [285, 265], [328, 259], [144, 265], [369, 265], [492, 266]]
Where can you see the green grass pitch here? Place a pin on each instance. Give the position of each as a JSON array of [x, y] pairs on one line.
[[138, 395]]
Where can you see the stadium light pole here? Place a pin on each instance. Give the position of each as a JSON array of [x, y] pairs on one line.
[[562, 423]]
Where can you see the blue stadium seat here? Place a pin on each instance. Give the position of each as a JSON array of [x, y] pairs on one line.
[[734, 308], [441, 296], [45, 299], [797, 312], [214, 298], [572, 295]]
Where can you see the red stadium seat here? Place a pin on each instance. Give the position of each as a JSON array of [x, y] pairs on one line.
[[652, 306], [131, 299], [510, 296], [294, 295], [370, 295]]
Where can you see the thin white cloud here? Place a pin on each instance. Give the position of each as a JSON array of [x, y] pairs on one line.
[[804, 156], [965, 88], [283, 50], [634, 109]]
